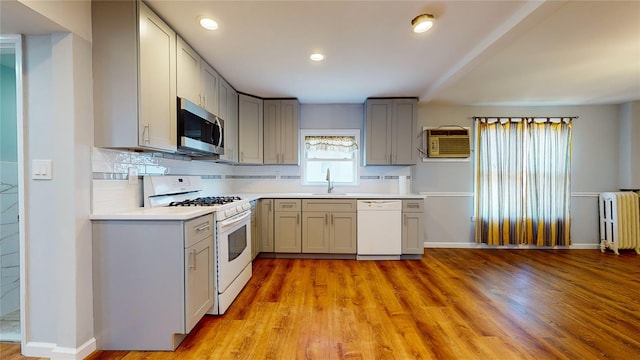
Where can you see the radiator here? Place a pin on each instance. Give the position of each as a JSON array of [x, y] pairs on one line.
[[619, 221]]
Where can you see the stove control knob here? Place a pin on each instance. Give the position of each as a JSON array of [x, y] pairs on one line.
[[246, 206]]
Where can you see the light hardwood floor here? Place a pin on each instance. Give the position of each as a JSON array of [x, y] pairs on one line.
[[454, 304]]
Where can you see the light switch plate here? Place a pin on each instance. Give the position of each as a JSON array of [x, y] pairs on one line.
[[41, 170]]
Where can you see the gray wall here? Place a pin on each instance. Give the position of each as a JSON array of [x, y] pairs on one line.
[[630, 145], [58, 126], [449, 185]]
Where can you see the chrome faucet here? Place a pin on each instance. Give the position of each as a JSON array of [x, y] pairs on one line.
[[329, 186]]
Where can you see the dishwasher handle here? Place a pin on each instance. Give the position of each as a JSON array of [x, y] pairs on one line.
[[374, 205]]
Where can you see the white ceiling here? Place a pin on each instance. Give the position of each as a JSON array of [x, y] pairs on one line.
[[478, 52]]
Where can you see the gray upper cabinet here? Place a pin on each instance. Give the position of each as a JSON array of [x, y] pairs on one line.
[[390, 127], [228, 105], [250, 129], [209, 88], [188, 72], [197, 81], [134, 77], [281, 131]]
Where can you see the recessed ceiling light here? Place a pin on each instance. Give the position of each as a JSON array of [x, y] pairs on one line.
[[208, 23], [422, 23], [316, 57]]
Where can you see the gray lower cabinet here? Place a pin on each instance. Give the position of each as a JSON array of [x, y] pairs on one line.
[[413, 226], [329, 226], [265, 225], [153, 281], [287, 227]]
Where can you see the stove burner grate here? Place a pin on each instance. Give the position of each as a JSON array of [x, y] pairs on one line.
[[206, 201]]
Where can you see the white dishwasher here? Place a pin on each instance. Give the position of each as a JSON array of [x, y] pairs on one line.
[[379, 229]]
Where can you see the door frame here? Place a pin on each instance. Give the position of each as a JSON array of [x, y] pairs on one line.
[[15, 41]]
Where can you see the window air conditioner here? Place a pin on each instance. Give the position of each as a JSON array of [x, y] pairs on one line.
[[448, 143]]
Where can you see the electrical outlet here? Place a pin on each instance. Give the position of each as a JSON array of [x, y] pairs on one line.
[[133, 176]]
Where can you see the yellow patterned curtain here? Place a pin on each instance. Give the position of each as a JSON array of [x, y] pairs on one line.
[[523, 181], [345, 144]]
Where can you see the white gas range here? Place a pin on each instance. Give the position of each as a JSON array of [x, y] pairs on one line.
[[232, 217]]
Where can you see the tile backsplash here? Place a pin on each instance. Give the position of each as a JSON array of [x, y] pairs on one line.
[[113, 192], [115, 164]]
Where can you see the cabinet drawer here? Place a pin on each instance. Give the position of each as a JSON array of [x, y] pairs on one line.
[[198, 229], [413, 205], [287, 205], [329, 205]]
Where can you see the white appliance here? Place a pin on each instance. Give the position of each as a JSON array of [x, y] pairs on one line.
[[379, 229], [232, 217], [233, 239]]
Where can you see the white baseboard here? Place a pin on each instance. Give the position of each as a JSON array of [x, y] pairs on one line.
[[456, 245], [54, 352], [37, 349], [452, 245]]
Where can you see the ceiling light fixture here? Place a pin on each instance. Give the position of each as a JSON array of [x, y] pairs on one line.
[[422, 23], [208, 23], [316, 57]]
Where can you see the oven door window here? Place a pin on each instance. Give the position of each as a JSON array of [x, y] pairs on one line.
[[237, 242]]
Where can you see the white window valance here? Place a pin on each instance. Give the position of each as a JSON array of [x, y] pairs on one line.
[[346, 144]]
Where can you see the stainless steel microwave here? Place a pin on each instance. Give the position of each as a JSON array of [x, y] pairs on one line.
[[200, 133]]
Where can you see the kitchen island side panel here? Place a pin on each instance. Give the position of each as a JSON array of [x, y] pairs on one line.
[[138, 269]]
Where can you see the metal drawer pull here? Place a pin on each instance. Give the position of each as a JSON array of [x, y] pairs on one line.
[[203, 227]]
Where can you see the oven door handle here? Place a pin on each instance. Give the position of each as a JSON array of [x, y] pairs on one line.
[[226, 223]]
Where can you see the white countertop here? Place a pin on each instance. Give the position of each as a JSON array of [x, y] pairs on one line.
[[190, 212], [337, 195], [159, 213]]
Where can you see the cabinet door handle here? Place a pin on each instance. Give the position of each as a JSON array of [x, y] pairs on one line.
[[331, 219], [404, 218], [297, 218], [326, 219], [146, 138], [192, 259], [241, 156]]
